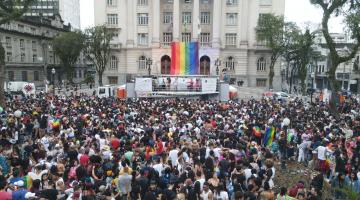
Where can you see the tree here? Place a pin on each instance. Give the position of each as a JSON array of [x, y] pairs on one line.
[[350, 9], [272, 30], [9, 10], [304, 51], [98, 48], [68, 47], [289, 53]]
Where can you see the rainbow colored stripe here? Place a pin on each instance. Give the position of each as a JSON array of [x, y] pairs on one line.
[[184, 58], [269, 136], [256, 131]]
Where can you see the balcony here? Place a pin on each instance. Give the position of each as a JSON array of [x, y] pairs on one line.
[[116, 46]]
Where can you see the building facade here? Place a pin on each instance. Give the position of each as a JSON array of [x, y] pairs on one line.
[[69, 10], [347, 73], [225, 30], [29, 55]]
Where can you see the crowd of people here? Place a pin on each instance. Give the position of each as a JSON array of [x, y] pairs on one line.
[[84, 147]]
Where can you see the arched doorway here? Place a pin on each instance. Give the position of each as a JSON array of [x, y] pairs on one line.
[[165, 64], [205, 65]]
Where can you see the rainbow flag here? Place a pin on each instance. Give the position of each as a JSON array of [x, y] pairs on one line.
[[184, 58], [269, 136], [256, 131]]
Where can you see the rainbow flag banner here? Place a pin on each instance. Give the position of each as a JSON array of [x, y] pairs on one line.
[[256, 131], [184, 58], [269, 136]]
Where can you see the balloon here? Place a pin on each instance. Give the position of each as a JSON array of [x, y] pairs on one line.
[[17, 113], [1, 109], [286, 122]]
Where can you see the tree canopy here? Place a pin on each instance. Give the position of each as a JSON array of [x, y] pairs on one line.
[[68, 47], [350, 9], [274, 33], [98, 48]]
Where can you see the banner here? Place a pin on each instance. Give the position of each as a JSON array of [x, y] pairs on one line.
[[185, 58], [208, 84], [143, 85]]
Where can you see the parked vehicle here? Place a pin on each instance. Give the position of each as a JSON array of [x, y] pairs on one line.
[[19, 86]]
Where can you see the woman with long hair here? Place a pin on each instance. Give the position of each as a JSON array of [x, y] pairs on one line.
[[221, 193]]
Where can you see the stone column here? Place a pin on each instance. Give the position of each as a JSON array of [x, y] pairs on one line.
[[216, 21], [130, 23], [196, 21], [156, 23], [176, 21], [243, 29]]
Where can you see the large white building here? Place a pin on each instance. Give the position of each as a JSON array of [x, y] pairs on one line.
[[69, 10], [225, 30]]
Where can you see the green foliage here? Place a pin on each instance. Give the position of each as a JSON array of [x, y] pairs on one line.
[[350, 9], [274, 32], [98, 48], [348, 193], [13, 9], [303, 51], [68, 47]]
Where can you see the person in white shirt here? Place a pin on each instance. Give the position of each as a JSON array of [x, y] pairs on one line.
[[173, 156], [159, 166]]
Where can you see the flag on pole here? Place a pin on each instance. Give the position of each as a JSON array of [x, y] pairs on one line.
[[269, 136], [256, 131]]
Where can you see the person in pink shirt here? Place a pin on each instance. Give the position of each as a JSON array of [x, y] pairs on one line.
[[3, 185]]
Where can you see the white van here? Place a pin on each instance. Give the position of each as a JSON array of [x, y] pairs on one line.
[[106, 91]]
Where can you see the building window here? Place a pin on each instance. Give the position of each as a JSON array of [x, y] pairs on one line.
[[20, 28], [8, 41], [204, 39], [22, 44], [142, 63], [113, 80], [22, 57], [111, 2], [186, 37], [24, 76], [34, 58], [231, 19], [232, 2], [230, 64], [36, 76], [205, 18], [170, 1], [261, 82], [11, 75], [143, 18], [112, 19], [265, 2], [113, 63], [261, 64], [143, 39], [168, 17], [167, 38], [205, 1], [186, 17], [230, 39], [142, 2], [33, 31], [33, 45], [8, 56], [187, 1]]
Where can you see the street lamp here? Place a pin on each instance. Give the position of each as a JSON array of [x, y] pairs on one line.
[[53, 78], [217, 64], [149, 63]]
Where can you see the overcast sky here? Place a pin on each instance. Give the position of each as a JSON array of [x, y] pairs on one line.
[[299, 11]]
